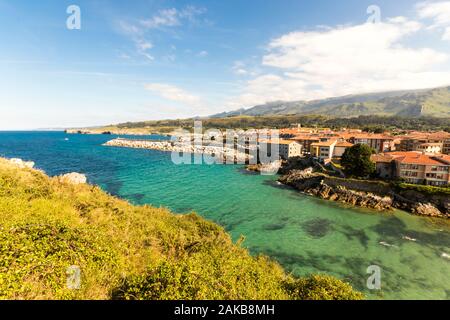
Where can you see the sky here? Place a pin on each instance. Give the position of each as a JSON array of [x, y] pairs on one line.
[[121, 61]]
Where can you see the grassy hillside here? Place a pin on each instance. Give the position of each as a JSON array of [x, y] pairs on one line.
[[125, 251], [277, 121], [431, 102]]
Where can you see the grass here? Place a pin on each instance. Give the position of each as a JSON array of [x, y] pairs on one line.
[[127, 252]]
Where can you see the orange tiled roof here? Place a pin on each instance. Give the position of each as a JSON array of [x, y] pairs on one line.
[[286, 141], [323, 143], [344, 144], [372, 136], [413, 157], [306, 137], [382, 158]]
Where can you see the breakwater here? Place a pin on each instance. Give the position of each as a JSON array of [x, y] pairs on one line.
[[219, 153]]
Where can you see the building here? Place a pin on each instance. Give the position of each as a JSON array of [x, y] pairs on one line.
[[415, 141], [289, 149], [323, 150], [446, 146], [340, 148], [414, 167], [286, 148], [429, 148], [379, 142], [385, 165]]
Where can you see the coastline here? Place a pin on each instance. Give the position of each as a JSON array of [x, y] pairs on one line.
[[276, 224], [374, 195], [123, 254]]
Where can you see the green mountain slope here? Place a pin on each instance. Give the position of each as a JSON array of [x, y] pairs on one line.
[[431, 102]]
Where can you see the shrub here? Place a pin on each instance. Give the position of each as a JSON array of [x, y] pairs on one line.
[[319, 287]]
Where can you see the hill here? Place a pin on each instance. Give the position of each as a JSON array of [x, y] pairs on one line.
[[122, 251], [415, 103], [366, 123]]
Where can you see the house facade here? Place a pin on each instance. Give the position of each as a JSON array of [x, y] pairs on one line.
[[414, 167]]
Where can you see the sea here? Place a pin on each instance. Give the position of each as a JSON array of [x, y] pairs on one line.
[[408, 254]]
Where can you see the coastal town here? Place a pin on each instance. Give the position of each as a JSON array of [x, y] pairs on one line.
[[414, 157], [408, 170]]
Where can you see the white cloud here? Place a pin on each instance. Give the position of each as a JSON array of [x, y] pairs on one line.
[[438, 13], [248, 68], [239, 68], [191, 13], [446, 35], [143, 45], [172, 17], [174, 93], [203, 54], [344, 60], [164, 18]]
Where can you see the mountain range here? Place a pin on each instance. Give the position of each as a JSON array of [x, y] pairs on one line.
[[412, 103]]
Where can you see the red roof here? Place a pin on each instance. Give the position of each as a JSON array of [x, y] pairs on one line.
[[413, 157]]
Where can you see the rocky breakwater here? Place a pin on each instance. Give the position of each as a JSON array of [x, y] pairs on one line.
[[314, 184], [222, 154]]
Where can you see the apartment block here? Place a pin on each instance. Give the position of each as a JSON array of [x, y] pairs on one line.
[[414, 167]]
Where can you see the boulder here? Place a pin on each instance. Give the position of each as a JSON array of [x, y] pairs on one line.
[[73, 178], [22, 164], [427, 209]]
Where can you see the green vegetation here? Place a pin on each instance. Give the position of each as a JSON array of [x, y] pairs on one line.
[[367, 123], [356, 161], [125, 251], [429, 190]]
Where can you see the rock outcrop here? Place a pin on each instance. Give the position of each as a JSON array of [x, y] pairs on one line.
[[366, 194], [265, 169], [426, 209], [314, 184], [22, 164], [73, 178]]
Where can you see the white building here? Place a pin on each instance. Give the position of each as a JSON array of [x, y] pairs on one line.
[[289, 149]]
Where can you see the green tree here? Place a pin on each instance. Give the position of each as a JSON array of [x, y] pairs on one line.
[[356, 160]]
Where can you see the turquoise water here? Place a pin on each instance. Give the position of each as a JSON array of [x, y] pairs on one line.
[[305, 234]]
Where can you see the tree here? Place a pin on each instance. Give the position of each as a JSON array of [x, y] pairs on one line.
[[356, 160]]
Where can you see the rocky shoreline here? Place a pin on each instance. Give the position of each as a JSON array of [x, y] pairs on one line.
[[381, 198]]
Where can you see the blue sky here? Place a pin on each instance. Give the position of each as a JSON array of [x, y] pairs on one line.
[[141, 60]]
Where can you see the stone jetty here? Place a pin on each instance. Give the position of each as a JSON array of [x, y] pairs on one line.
[[222, 154]]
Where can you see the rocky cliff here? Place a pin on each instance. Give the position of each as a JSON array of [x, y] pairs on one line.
[[368, 194]]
